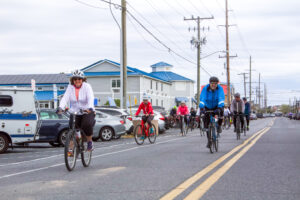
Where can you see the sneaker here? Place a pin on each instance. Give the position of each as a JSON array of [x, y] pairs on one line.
[[90, 146], [151, 130], [142, 137]]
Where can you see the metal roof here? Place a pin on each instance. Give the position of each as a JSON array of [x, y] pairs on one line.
[[39, 79], [161, 64], [170, 76]]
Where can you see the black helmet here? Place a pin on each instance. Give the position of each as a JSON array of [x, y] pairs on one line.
[[244, 98], [213, 79]]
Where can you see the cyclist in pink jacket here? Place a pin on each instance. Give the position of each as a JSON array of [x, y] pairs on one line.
[[183, 111]]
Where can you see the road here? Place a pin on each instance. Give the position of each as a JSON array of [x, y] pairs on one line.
[[265, 164]]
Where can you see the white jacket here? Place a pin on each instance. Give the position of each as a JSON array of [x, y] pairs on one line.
[[85, 98]]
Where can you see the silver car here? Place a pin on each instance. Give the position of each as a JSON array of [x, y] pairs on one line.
[[108, 127]]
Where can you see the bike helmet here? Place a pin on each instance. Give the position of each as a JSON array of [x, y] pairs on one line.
[[213, 79], [237, 95], [77, 74], [182, 102], [244, 98], [145, 97]]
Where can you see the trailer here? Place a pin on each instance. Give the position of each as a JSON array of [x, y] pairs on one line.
[[19, 120]]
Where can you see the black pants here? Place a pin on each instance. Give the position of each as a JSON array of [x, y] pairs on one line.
[[148, 119], [185, 119], [241, 119], [86, 122], [247, 119]]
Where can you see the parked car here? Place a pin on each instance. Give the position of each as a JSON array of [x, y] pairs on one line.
[[53, 128], [122, 113], [108, 127], [259, 115], [253, 116]]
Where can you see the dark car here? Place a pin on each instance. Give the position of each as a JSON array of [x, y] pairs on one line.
[[259, 115], [54, 127]]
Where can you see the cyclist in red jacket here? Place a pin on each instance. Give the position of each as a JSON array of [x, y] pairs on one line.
[[147, 111], [183, 111]]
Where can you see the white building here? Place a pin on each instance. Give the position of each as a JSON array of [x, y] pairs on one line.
[[165, 88]]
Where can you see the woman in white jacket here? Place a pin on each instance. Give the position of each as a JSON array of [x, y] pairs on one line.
[[79, 95]]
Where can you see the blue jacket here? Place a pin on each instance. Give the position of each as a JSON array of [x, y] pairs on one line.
[[247, 108], [212, 99]]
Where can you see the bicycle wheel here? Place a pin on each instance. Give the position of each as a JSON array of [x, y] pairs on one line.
[[152, 136], [211, 140], [238, 128], [227, 123], [216, 142], [139, 135], [86, 156], [71, 150], [184, 128]]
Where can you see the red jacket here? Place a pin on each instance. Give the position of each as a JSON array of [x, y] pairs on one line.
[[183, 110], [147, 109]]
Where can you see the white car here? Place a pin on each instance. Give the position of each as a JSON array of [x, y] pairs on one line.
[[120, 113]]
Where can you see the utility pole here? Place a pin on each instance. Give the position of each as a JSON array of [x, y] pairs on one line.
[[198, 43], [227, 53], [259, 90], [250, 73], [244, 75], [123, 58], [265, 95]]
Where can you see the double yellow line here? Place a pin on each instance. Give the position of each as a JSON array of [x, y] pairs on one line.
[[210, 181]]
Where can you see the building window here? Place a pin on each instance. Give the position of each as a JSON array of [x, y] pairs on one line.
[[115, 83], [61, 88], [6, 100], [151, 84], [162, 103], [162, 87], [39, 88], [156, 85], [157, 102]]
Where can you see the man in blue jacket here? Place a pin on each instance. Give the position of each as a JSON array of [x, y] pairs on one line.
[[212, 99], [247, 111]]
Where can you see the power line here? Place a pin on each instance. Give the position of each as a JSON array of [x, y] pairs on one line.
[[163, 44], [89, 5]]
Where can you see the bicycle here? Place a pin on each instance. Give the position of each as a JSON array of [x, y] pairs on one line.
[[226, 123], [141, 132], [238, 125], [183, 126], [212, 129], [201, 125], [172, 121], [75, 145], [193, 124]]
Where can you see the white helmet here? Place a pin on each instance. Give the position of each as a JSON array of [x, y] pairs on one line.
[[182, 102], [145, 97], [77, 73]]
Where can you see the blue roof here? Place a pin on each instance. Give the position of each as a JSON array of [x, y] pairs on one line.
[[46, 95], [161, 64], [170, 76], [131, 71], [180, 99]]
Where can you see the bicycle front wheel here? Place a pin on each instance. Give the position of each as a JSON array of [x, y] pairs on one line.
[[71, 151], [86, 156], [152, 136], [211, 140], [139, 135]]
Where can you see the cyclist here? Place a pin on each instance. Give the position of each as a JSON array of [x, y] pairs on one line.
[[227, 113], [79, 95], [247, 111], [237, 107], [193, 113], [212, 99], [183, 110], [147, 111]]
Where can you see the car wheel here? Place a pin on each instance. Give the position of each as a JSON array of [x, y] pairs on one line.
[[106, 133], [3, 143], [62, 137], [54, 144]]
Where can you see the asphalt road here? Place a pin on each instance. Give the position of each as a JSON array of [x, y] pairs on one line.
[[265, 164]]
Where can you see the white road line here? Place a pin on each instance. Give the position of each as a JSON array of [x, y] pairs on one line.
[[101, 155]]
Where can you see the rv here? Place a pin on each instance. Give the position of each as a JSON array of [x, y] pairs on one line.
[[19, 121]]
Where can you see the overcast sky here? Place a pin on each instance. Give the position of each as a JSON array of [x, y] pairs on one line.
[[53, 36]]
